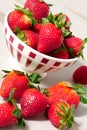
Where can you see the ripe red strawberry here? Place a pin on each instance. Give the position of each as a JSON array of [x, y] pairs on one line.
[[50, 38], [10, 113], [63, 20], [14, 79], [60, 115], [39, 8], [74, 45], [6, 117], [72, 94], [20, 18], [80, 75], [33, 102], [29, 37], [63, 54], [36, 28]]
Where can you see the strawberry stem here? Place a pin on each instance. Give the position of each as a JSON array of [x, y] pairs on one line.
[[16, 112], [27, 12], [34, 80], [23, 10], [6, 73], [67, 118], [81, 91]]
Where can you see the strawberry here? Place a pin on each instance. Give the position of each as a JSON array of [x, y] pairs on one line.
[[21, 18], [61, 21], [39, 8], [50, 38], [72, 94], [36, 28], [75, 45], [29, 37], [19, 81], [61, 114], [61, 53], [14, 79], [6, 117], [33, 102], [80, 75], [10, 113]]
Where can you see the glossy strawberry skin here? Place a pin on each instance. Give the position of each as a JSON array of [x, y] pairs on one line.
[[80, 75], [14, 80], [39, 9], [52, 115], [75, 44], [30, 38], [6, 117], [33, 102], [18, 19], [50, 38], [60, 92]]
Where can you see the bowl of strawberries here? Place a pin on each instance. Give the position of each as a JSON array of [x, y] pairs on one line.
[[38, 40]]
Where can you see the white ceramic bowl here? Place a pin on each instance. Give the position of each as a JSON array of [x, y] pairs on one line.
[[29, 59]]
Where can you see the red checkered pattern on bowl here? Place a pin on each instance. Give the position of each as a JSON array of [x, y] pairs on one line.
[[30, 58]]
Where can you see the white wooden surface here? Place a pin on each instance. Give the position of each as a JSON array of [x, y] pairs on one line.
[[77, 11]]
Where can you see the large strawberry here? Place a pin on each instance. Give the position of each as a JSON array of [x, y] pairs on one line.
[[18, 80], [50, 38], [39, 8], [20, 18], [14, 79], [33, 102], [72, 94], [29, 37], [61, 114], [10, 113]]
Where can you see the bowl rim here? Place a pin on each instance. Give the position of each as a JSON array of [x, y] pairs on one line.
[[35, 51]]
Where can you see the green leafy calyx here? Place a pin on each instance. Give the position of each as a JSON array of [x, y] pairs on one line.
[[67, 118]]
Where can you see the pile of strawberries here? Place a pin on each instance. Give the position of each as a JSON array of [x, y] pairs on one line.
[[57, 102], [44, 31], [49, 34]]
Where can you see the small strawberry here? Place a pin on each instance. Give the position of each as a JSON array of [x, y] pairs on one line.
[[10, 113], [14, 79], [75, 45], [39, 8], [62, 20], [61, 53], [21, 18], [80, 75], [72, 94], [29, 37], [61, 114], [33, 102], [36, 28], [50, 38]]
